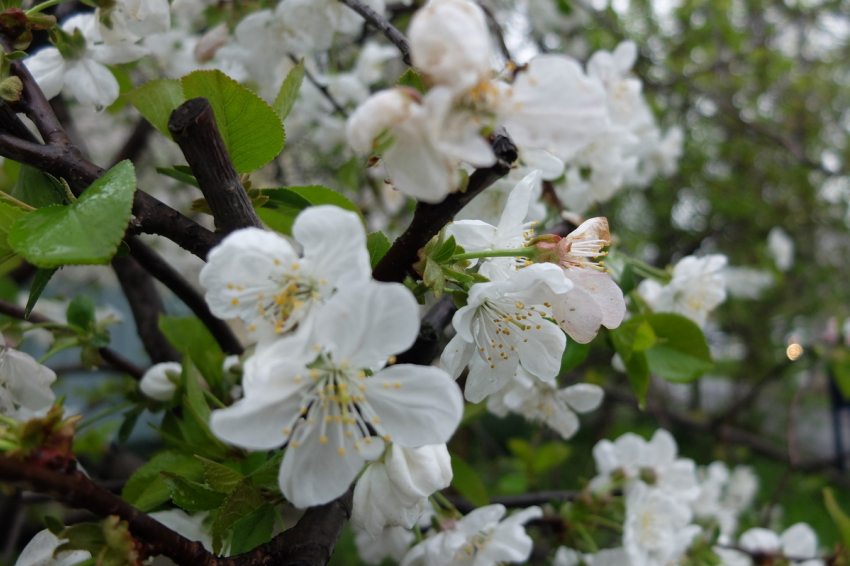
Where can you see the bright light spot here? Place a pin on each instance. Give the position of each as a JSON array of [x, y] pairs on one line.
[[794, 351]]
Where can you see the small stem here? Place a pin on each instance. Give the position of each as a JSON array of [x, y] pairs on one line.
[[644, 267], [103, 415], [215, 400], [442, 500], [54, 325], [44, 6], [516, 252]]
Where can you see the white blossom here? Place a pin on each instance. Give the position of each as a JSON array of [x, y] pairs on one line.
[[159, 382], [258, 276], [780, 247], [697, 288], [633, 458], [798, 542], [481, 535], [605, 557], [84, 76], [191, 527], [543, 402], [40, 552], [132, 20], [503, 323], [393, 542], [657, 530], [312, 390], [24, 384], [395, 492]]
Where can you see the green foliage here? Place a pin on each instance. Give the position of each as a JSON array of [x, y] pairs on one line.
[[841, 520], [179, 173], [191, 336], [574, 355], [285, 204], [85, 232], [190, 495], [438, 267], [8, 215], [146, 488], [412, 79], [219, 477], [288, 92], [378, 245], [156, 100], [252, 132], [467, 482], [38, 189], [253, 530], [243, 501]]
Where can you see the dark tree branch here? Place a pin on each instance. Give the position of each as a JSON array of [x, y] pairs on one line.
[[135, 143], [429, 219], [310, 542], [427, 345], [193, 127], [383, 25], [146, 306], [178, 285], [113, 358]]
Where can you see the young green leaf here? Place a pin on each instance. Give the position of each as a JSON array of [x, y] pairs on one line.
[[37, 188], [8, 215], [574, 355], [219, 477], [146, 489], [680, 353], [253, 530], [467, 482], [190, 495], [412, 79], [178, 175], [378, 245], [80, 312], [190, 335], [242, 501], [85, 232], [156, 100], [252, 132], [288, 92]]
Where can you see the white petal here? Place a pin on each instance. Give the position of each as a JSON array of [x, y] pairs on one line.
[[603, 291], [39, 552], [517, 206], [419, 472], [541, 355], [48, 69], [27, 380], [456, 356], [156, 383], [417, 405], [334, 242], [473, 235], [91, 83], [662, 447], [582, 397], [760, 540], [578, 314], [799, 541], [117, 54], [488, 370]]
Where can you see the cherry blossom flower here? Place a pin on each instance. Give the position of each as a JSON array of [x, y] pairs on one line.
[[258, 276], [395, 492], [697, 288], [655, 462], [543, 402], [393, 542], [132, 20], [723, 496], [481, 535], [24, 384], [780, 247], [595, 299], [82, 70], [605, 557], [190, 526], [503, 323], [657, 530], [158, 383], [798, 542], [41, 551], [312, 390]]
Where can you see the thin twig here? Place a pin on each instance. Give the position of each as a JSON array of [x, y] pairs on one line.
[[110, 356], [171, 278], [496, 29], [322, 88], [383, 25], [521, 500]]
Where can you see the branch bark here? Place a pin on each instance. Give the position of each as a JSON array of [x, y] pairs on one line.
[[193, 127], [383, 25], [429, 219]]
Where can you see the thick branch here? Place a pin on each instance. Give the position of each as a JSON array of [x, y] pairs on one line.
[[427, 345], [79, 491], [429, 219], [172, 279], [113, 358], [383, 25], [193, 127], [146, 306]]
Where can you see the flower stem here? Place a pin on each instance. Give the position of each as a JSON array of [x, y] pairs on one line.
[[643, 268], [516, 252], [103, 415], [44, 6]]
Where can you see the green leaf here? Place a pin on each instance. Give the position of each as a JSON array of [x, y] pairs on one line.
[[125, 85], [39, 282], [318, 194], [378, 245], [37, 188], [253, 530], [146, 489], [637, 369], [467, 482], [285, 204], [573, 356], [131, 417], [286, 199], [156, 100], [178, 175], [85, 232], [81, 312], [278, 221], [634, 336], [266, 475], [8, 215], [242, 501], [680, 352], [288, 92], [190, 495], [191, 336], [841, 520], [252, 132], [472, 411], [446, 251], [412, 79], [219, 477], [548, 456]]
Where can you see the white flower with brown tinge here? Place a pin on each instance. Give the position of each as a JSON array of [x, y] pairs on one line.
[[259, 277], [503, 323], [313, 390]]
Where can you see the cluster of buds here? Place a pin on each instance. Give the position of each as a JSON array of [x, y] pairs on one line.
[[44, 441]]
